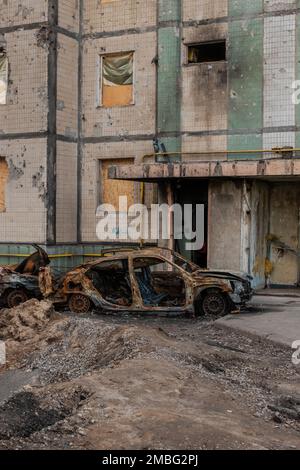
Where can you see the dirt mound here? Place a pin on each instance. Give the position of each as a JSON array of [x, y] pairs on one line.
[[25, 321], [77, 346]]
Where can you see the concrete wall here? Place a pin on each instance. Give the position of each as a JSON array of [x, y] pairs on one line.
[[25, 217], [224, 211], [117, 132], [68, 15], [193, 10], [126, 120], [23, 122], [42, 108], [256, 221], [67, 126], [285, 225], [15, 12], [27, 107], [67, 87], [118, 16]]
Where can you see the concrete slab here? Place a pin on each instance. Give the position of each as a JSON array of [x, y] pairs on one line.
[[273, 318]]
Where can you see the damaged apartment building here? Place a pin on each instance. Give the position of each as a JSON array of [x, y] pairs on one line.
[[85, 88]]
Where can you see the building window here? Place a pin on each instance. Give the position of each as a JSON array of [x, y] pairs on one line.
[[117, 80], [3, 76], [113, 189], [3, 181], [207, 52]]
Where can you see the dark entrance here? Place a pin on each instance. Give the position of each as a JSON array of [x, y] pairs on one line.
[[193, 192]]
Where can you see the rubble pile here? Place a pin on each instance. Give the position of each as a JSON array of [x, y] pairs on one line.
[[85, 345], [100, 382], [25, 321]]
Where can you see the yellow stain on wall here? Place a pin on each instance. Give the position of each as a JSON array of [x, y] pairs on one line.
[[3, 181]]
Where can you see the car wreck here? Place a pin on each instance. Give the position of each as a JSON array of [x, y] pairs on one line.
[[150, 280], [19, 283], [137, 280]]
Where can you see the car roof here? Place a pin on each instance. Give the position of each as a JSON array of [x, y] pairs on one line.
[[118, 254]]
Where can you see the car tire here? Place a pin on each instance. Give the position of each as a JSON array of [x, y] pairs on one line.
[[79, 304], [212, 303], [16, 297]]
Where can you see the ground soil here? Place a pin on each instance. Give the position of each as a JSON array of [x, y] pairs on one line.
[[109, 382]]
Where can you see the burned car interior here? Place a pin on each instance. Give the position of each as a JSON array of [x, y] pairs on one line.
[[19, 283], [158, 283], [112, 281]]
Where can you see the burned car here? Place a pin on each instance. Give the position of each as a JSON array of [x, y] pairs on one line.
[[150, 280], [21, 282]]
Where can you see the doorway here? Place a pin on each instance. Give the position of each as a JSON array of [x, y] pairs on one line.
[[192, 192]]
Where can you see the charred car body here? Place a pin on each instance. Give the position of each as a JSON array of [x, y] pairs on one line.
[[21, 282], [145, 280], [151, 280]]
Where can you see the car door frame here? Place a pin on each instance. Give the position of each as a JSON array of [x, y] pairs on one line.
[[189, 300]]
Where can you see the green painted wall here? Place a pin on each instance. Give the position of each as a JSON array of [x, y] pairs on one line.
[[245, 77], [245, 142], [169, 73], [237, 8]]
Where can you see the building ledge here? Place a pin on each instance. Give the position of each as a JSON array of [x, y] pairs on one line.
[[267, 169]]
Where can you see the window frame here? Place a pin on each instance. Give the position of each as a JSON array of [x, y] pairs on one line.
[[202, 43], [4, 54], [100, 80]]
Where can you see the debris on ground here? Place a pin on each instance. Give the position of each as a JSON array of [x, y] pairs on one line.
[[25, 321], [142, 383]]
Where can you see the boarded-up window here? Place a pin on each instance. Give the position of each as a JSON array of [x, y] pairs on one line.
[[3, 77], [117, 79], [3, 181], [112, 189]]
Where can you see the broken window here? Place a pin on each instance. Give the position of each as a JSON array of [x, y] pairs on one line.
[[207, 52], [112, 281], [161, 284], [3, 181], [117, 79], [3, 75]]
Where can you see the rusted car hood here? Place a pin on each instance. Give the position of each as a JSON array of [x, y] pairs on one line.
[[229, 276]]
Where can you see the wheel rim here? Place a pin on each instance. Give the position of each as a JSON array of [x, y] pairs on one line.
[[16, 298], [214, 304], [79, 304]]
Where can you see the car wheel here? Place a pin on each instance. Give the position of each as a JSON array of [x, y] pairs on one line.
[[79, 304], [213, 303], [16, 297]]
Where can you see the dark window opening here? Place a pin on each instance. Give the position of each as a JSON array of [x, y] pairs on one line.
[[207, 52]]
